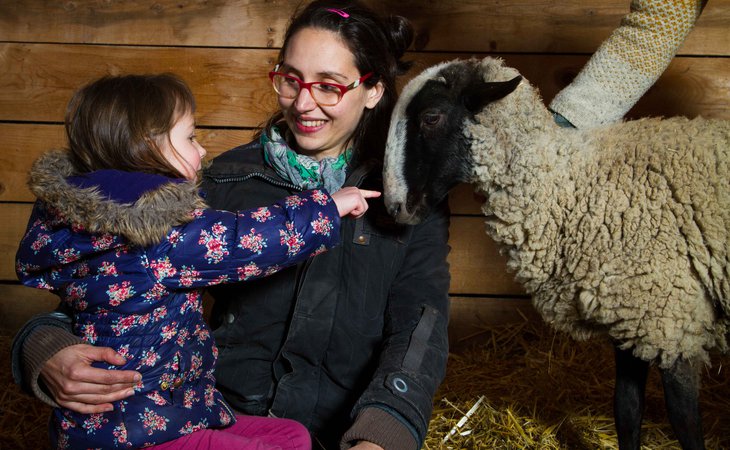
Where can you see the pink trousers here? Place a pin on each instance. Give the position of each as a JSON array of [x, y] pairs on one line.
[[248, 433]]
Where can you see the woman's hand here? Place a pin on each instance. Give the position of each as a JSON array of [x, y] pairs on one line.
[[75, 385], [351, 201]]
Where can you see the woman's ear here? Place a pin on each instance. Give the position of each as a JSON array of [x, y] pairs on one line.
[[374, 94]]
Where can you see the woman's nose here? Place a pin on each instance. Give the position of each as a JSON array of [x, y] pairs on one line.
[[304, 100]]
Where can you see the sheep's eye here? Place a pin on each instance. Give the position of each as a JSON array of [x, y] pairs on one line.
[[430, 118]]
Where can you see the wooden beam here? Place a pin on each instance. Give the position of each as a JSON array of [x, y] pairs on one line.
[[471, 317], [232, 89], [230, 85], [20, 303], [536, 26]]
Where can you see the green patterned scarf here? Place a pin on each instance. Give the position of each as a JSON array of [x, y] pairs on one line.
[[302, 170]]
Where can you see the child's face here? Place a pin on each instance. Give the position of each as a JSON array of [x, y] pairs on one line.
[[185, 153]]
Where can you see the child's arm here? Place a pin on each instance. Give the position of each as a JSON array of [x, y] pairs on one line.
[[225, 247]]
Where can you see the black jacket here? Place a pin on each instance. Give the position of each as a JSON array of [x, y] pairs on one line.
[[359, 327]]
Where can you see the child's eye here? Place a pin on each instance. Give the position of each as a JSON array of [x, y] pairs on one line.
[[192, 137]]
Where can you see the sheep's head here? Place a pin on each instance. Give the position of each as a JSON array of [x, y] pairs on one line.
[[427, 152]]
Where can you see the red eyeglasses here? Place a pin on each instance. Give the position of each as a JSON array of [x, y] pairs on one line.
[[325, 94]]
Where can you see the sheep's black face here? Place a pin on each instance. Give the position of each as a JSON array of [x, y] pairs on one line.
[[427, 153]]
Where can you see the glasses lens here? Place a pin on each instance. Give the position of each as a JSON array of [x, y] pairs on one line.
[[287, 87], [326, 94]]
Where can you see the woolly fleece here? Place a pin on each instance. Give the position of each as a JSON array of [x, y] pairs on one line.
[[621, 229]]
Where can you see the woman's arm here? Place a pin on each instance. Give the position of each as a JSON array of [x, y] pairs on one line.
[[395, 409]]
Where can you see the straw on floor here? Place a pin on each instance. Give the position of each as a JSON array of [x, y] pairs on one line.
[[527, 387], [519, 387]]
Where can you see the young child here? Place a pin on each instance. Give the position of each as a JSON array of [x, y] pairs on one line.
[[122, 235]]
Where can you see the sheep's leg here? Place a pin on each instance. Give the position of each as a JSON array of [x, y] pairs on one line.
[[681, 394], [628, 398]]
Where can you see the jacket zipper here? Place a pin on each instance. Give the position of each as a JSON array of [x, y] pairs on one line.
[[283, 184]]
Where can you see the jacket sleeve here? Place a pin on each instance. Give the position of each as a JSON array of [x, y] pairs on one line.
[[222, 246], [38, 340], [628, 62], [413, 359]]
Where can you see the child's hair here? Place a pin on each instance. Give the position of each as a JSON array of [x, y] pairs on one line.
[[377, 43], [121, 122]]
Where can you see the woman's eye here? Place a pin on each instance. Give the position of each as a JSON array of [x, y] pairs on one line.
[[325, 87]]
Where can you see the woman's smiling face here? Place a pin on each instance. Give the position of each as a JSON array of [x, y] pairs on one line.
[[315, 54]]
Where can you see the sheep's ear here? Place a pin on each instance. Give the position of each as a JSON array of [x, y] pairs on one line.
[[479, 95]]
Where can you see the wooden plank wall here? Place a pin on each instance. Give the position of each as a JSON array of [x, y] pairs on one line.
[[224, 50]]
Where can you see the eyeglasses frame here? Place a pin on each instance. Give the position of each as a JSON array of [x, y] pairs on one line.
[[308, 86]]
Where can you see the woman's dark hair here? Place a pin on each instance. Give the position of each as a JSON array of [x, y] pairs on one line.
[[378, 43], [119, 122]]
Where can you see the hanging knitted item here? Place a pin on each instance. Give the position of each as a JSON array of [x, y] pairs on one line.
[[302, 170]]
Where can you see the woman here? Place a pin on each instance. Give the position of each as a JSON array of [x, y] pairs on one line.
[[351, 343]]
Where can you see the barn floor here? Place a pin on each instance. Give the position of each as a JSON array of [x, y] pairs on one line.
[[538, 390], [543, 390]]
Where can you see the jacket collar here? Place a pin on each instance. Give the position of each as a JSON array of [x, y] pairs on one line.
[[239, 161], [248, 160], [141, 207]]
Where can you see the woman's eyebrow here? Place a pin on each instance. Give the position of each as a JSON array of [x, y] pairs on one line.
[[324, 74]]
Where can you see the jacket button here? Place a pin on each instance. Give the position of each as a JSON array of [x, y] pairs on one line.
[[361, 239], [164, 385], [230, 318], [178, 382], [400, 385]]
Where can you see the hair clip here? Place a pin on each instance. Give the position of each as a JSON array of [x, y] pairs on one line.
[[339, 12]]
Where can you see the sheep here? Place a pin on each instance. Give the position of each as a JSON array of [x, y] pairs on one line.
[[618, 231]]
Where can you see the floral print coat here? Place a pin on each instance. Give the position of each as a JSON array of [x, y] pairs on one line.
[[130, 253]]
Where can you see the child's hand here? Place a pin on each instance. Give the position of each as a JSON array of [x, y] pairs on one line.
[[351, 201]]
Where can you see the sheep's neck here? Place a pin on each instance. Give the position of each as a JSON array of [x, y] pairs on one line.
[[519, 167], [516, 153]]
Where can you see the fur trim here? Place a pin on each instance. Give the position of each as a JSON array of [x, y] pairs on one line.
[[144, 222]]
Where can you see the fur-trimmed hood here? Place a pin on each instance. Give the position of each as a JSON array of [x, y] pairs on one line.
[[140, 207]]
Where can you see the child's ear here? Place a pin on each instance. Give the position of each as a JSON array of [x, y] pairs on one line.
[[158, 141], [375, 93]]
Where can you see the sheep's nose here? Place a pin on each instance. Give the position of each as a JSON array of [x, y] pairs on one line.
[[394, 209]]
